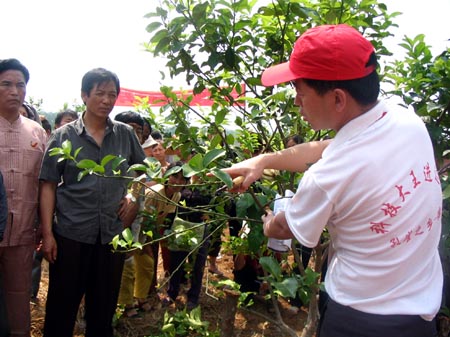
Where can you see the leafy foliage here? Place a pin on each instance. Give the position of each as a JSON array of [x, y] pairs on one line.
[[185, 323], [223, 46]]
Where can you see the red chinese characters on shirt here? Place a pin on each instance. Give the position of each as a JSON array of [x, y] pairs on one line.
[[427, 173], [379, 227], [401, 193], [392, 209], [414, 179]]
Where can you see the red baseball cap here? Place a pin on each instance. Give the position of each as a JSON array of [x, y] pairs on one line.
[[328, 52]]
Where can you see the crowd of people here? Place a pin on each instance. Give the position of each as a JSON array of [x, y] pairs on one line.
[[48, 212], [374, 186]]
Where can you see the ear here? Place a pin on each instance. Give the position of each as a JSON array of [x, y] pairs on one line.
[[340, 99], [84, 97]]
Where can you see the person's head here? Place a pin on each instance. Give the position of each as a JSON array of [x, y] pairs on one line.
[[23, 111], [99, 91], [28, 111], [134, 120], [156, 135], [46, 124], [64, 117], [13, 64], [333, 68], [158, 151], [147, 146], [14, 77], [147, 130], [293, 140]]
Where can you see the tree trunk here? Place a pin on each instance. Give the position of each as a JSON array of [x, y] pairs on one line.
[[228, 313], [313, 318]]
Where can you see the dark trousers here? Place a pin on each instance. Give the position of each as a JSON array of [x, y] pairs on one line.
[[36, 272], [82, 269], [177, 260], [4, 325], [341, 321]]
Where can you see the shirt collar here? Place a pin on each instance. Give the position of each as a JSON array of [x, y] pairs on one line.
[[80, 127], [358, 125]]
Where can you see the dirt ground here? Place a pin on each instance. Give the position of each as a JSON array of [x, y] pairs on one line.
[[256, 321]]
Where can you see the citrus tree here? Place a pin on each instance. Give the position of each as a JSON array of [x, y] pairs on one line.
[[223, 47]]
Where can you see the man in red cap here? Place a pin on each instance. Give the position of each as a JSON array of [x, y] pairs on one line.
[[374, 186]]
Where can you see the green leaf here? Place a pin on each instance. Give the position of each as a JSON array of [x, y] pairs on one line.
[[244, 202], [99, 169], [161, 34], [446, 192], [196, 162], [86, 164], [188, 171], [271, 265], [287, 287], [212, 156], [171, 171], [199, 11], [223, 176], [107, 159], [82, 174], [216, 140], [56, 151], [153, 26], [220, 116], [77, 151], [67, 146], [137, 167], [127, 235], [115, 242]]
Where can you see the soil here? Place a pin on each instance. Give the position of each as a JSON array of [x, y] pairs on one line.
[[257, 321]]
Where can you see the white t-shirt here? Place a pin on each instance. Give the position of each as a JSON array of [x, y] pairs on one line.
[[377, 190]]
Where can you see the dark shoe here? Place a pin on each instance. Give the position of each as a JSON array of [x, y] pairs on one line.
[[191, 305]]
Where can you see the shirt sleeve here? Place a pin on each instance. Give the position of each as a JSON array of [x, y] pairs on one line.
[[308, 212], [50, 167], [137, 153]]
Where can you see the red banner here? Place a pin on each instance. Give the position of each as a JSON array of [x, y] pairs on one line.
[[128, 97]]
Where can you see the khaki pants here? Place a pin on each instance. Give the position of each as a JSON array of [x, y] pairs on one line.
[[144, 269]]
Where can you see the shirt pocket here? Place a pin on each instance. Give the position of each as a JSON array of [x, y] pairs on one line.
[[32, 162]]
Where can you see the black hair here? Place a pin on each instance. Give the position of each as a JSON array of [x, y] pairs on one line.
[[364, 90], [98, 76], [31, 111], [13, 64], [130, 117], [147, 122], [46, 124], [296, 139], [62, 114], [156, 135]]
